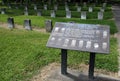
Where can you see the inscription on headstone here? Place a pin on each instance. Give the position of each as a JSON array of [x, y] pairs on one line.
[[100, 15], [10, 23], [82, 37], [27, 24], [68, 14], [83, 15]]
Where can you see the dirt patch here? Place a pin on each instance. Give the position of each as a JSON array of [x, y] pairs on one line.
[[46, 71], [5, 25]]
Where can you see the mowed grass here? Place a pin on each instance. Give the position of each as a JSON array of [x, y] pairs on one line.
[[23, 53], [39, 22]]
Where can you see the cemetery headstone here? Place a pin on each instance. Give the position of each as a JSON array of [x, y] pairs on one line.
[[79, 9], [76, 4], [26, 12], [90, 9], [10, 22], [39, 13], [66, 8], [84, 4], [16, 6], [3, 10], [55, 7], [100, 15], [52, 13], [9, 6], [3, 3], [83, 15], [68, 14], [27, 24], [35, 7], [102, 10], [45, 7], [48, 26], [104, 5], [26, 7], [69, 0]]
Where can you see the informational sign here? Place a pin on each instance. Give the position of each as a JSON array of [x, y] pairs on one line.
[[82, 37]]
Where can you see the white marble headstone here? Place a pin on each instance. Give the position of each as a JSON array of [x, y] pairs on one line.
[[52, 13], [68, 14], [100, 15], [90, 9], [83, 15]]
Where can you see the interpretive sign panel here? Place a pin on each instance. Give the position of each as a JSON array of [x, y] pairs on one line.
[[82, 37]]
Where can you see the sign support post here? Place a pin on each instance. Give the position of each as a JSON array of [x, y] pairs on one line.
[[91, 65], [64, 61]]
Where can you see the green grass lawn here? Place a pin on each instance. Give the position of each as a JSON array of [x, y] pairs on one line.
[[23, 53]]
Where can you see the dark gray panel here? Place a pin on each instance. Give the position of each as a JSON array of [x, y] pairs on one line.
[[83, 37]]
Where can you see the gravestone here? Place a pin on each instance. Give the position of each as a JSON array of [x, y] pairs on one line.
[[104, 5], [83, 15], [39, 13], [10, 22], [27, 24], [35, 7], [90, 9], [78, 9], [16, 6], [26, 7], [52, 13], [26, 12], [9, 6], [100, 15], [3, 10], [3, 3], [102, 10], [66, 4], [68, 14], [45, 7], [84, 4], [82, 37], [76, 5], [55, 7], [48, 26], [66, 8]]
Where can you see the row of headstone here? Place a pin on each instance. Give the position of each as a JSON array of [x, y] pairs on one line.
[[68, 14], [27, 24], [90, 9]]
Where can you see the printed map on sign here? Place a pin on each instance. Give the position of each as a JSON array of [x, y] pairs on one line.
[[82, 37]]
